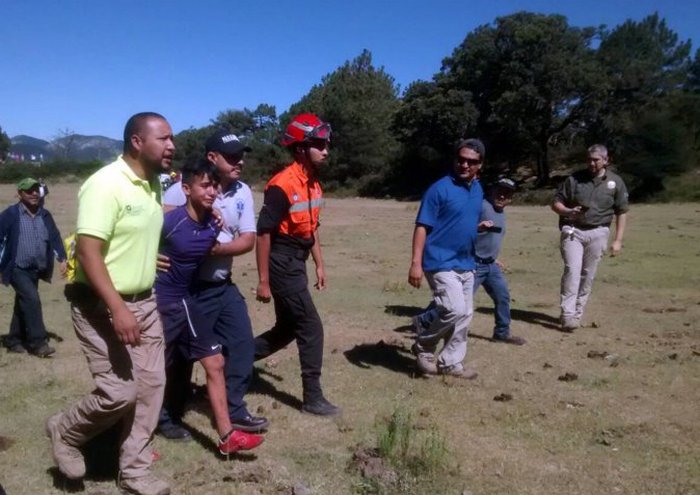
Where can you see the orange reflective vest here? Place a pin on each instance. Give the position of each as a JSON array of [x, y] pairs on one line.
[[305, 200]]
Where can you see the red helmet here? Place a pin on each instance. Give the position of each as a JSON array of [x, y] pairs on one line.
[[304, 127]]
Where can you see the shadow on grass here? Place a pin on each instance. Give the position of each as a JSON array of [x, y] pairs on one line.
[[262, 385], [531, 317], [62, 483], [402, 310], [390, 356]]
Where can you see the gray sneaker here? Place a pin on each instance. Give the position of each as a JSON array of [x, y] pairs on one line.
[[425, 361], [570, 324], [144, 485], [69, 459], [459, 371]]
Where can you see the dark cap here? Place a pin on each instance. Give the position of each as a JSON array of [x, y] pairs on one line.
[[505, 183], [225, 142], [472, 144]]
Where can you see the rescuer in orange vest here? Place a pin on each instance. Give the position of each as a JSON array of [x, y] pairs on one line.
[[287, 234]]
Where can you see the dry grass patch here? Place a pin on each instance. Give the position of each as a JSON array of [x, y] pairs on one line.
[[627, 425]]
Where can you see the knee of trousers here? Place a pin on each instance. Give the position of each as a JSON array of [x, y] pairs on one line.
[[454, 315], [119, 396]]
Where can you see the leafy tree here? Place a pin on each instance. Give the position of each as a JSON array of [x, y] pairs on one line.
[[189, 144], [693, 83], [531, 77], [359, 101], [643, 62], [4, 145], [239, 122], [662, 141], [430, 120]]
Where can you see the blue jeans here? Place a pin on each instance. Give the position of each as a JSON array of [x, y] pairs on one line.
[[27, 326], [494, 282]]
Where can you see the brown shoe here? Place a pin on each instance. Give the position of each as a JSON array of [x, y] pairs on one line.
[[144, 485], [69, 459], [459, 371]]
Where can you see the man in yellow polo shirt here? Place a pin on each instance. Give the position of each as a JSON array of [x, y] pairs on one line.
[[114, 311]]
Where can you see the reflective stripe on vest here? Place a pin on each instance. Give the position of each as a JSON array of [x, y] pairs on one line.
[[305, 202]]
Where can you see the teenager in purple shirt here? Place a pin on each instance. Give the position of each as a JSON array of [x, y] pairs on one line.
[[189, 233]]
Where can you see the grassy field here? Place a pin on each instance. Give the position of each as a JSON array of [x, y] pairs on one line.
[[628, 423]]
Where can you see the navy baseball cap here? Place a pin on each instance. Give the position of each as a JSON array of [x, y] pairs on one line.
[[506, 183], [225, 142]]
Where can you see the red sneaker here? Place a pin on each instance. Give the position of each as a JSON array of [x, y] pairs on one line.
[[239, 440]]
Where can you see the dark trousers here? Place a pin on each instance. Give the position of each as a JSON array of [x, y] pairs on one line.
[[27, 326], [224, 307], [298, 319]]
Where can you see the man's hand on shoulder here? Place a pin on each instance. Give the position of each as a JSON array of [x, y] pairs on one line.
[[162, 263]]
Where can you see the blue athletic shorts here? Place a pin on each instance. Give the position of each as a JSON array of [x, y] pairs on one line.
[[184, 329]]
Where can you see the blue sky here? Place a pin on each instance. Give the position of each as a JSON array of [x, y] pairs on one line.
[[87, 65]]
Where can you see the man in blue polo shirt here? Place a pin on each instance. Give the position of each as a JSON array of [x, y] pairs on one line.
[[489, 273], [443, 250]]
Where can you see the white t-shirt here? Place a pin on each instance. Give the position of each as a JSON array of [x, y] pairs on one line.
[[238, 210]]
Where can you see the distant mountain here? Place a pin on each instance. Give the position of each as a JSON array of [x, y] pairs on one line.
[[72, 147]]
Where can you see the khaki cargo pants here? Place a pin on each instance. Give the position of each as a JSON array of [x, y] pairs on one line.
[[129, 383]]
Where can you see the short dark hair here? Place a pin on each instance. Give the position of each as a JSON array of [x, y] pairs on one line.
[[135, 125], [472, 144], [199, 168]]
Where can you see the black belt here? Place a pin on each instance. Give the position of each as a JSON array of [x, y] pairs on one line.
[[82, 293], [139, 296], [484, 261]]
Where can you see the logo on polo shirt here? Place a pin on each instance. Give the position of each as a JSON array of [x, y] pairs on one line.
[[133, 210], [611, 184]]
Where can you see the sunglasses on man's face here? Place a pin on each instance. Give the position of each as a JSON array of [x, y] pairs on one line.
[[472, 162]]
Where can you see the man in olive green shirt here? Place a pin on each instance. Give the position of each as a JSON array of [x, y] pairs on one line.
[[586, 202], [114, 311]]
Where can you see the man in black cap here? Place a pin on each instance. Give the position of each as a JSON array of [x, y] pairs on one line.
[[215, 297], [29, 242]]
